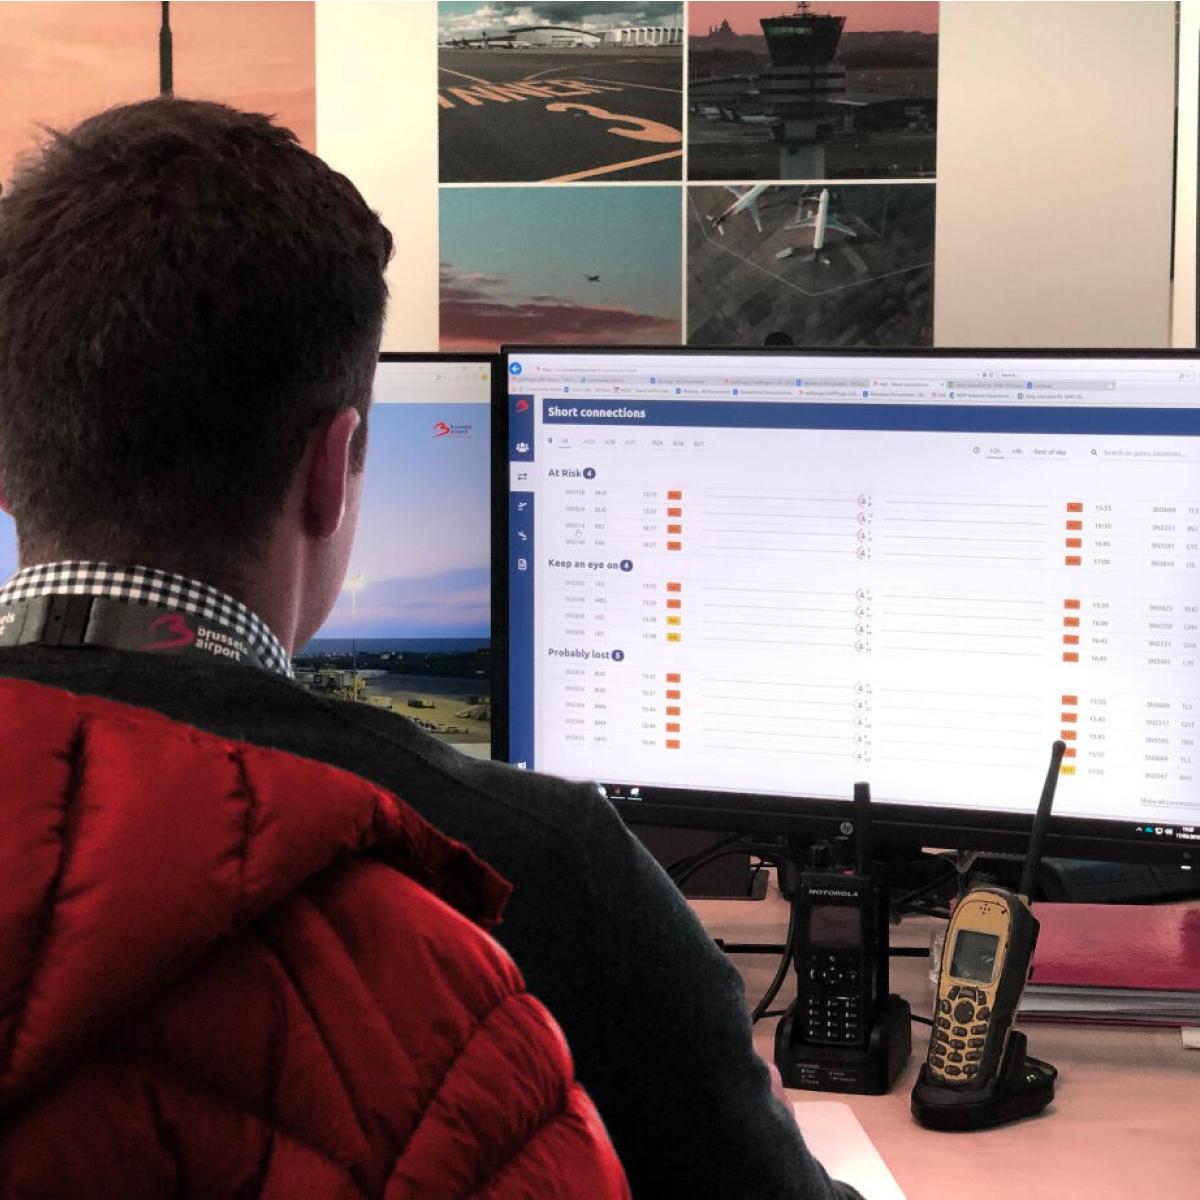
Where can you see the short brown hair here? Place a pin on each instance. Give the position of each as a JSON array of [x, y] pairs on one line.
[[185, 294]]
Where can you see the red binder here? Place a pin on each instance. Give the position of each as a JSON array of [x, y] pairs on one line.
[[1134, 946]]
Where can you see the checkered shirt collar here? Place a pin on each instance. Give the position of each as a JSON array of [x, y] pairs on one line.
[[147, 585]]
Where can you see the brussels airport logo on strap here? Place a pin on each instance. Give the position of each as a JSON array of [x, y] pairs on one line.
[[173, 631], [451, 429]]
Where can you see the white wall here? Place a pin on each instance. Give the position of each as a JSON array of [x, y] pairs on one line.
[[377, 124], [1183, 301], [1054, 181]]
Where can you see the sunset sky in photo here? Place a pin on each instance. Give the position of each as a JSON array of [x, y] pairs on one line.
[[516, 264], [868, 16], [63, 62]]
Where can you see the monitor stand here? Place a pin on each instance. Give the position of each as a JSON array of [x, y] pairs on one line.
[[728, 878]]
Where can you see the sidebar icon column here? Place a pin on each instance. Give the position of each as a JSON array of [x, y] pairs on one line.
[[520, 583]]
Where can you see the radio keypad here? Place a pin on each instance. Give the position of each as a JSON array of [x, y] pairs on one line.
[[834, 1013]]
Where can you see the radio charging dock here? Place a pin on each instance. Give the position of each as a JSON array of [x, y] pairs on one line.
[[1023, 1087], [869, 1070]]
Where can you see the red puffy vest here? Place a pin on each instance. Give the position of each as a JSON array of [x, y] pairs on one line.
[[227, 971]]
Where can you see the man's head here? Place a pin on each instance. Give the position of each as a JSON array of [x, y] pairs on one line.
[[188, 301]]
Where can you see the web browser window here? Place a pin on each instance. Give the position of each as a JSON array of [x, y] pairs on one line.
[[411, 629], [778, 574]]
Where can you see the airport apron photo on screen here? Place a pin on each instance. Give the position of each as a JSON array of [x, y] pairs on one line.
[[411, 629]]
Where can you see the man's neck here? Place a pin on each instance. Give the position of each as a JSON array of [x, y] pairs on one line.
[[278, 607]]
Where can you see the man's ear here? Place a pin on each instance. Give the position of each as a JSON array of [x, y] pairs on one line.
[[327, 473], [4, 504]]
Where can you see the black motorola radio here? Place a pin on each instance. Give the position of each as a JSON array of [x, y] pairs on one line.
[[841, 976], [977, 1073], [843, 1033]]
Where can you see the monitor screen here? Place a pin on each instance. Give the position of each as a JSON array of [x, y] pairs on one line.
[[739, 582], [411, 631]]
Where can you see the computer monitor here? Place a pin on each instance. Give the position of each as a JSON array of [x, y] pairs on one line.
[[411, 631], [739, 581]]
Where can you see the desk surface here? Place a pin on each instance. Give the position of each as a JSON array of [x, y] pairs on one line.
[[1125, 1122]]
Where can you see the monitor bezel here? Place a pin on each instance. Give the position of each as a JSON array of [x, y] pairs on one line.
[[896, 825]]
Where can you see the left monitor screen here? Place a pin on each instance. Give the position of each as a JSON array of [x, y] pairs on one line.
[[411, 630]]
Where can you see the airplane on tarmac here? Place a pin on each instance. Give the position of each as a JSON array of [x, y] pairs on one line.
[[819, 221], [812, 212], [745, 200]]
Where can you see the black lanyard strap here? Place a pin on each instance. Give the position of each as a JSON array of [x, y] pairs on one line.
[[112, 624]]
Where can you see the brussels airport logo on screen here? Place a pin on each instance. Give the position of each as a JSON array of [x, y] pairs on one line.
[[452, 429]]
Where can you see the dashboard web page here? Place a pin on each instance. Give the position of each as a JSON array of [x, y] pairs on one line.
[[778, 575]]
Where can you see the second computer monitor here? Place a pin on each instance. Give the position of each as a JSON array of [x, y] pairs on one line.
[[411, 630]]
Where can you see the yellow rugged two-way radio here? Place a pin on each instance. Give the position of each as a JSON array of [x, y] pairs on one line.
[[977, 1073]]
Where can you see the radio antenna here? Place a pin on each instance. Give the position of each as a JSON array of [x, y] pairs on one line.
[[863, 841], [1041, 820]]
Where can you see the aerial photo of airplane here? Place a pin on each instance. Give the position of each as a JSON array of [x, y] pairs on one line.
[[819, 220], [812, 212], [745, 200], [593, 279]]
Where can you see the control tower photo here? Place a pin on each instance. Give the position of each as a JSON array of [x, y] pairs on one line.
[[799, 87]]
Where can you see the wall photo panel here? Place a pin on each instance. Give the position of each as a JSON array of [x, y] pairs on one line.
[[809, 266], [812, 91], [559, 92], [63, 62], [591, 265]]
